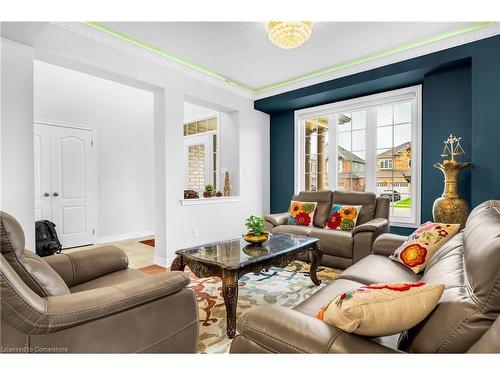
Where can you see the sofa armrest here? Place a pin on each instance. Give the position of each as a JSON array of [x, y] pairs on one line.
[[277, 219], [70, 310], [386, 243], [283, 330], [81, 266], [374, 225]]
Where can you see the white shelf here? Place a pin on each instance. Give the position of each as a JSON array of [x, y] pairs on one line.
[[214, 200]]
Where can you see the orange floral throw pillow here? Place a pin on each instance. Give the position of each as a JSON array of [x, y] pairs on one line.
[[422, 244], [382, 309], [301, 213], [343, 217]]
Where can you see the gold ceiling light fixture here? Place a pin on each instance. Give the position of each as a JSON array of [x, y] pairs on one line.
[[289, 34]]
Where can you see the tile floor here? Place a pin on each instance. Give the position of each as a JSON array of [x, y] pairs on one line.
[[139, 254]]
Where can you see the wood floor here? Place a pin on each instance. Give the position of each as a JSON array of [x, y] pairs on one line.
[[152, 269], [139, 254]]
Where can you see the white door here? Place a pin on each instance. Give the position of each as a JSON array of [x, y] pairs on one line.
[[43, 187], [71, 182]]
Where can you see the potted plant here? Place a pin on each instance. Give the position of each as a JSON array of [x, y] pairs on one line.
[[209, 191], [256, 234]]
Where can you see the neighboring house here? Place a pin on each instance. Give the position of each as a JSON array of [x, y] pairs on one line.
[[351, 170], [394, 170]]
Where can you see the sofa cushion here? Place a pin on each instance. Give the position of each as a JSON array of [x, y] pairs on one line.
[[381, 309], [312, 305], [44, 275], [324, 199], [293, 229], [422, 244], [301, 213], [375, 269], [334, 242], [343, 217], [367, 200]]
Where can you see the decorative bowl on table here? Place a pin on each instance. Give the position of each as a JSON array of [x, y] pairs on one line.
[[256, 239]]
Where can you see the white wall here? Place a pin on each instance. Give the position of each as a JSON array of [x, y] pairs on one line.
[[174, 223], [194, 112], [17, 174], [229, 150], [122, 117]]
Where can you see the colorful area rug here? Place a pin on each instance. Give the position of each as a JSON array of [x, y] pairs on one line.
[[284, 287]]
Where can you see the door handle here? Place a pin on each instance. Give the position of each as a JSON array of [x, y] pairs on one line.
[[46, 194], [56, 194]]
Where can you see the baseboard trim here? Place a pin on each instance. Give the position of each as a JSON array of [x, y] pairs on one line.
[[124, 236]]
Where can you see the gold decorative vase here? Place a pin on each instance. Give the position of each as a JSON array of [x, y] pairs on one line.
[[451, 208]]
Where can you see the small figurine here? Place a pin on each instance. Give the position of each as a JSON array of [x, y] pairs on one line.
[[228, 189]]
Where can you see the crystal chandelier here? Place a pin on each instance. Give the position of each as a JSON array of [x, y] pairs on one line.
[[289, 34]]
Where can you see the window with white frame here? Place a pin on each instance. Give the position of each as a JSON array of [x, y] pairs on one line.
[[376, 142], [202, 153]]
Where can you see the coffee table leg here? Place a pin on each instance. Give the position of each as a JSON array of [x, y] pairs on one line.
[[317, 255], [230, 294], [177, 264]]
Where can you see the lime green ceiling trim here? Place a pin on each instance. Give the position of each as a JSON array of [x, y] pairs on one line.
[[168, 55], [310, 75], [374, 56]]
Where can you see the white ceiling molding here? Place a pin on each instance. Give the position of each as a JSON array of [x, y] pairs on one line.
[[88, 32], [124, 46], [391, 59]]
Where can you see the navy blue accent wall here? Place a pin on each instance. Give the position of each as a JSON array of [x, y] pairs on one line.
[[446, 106], [281, 157], [461, 94], [486, 121]]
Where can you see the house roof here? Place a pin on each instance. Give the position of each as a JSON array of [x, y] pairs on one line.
[[394, 151], [347, 155]]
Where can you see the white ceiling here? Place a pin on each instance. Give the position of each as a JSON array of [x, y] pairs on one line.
[[242, 52]]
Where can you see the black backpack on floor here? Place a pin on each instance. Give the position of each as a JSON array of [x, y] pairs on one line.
[[47, 242]]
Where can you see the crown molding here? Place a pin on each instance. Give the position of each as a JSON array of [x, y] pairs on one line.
[[127, 44], [158, 57], [425, 47]]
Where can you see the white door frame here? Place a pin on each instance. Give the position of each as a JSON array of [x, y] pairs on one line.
[[93, 132]]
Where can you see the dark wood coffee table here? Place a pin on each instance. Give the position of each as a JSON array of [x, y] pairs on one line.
[[231, 259]]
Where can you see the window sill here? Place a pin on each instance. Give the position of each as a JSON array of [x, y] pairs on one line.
[[403, 224], [215, 200]]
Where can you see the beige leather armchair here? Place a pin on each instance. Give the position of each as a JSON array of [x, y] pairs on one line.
[[90, 302], [340, 249]]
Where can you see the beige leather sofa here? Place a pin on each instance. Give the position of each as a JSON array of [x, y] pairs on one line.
[[340, 249], [466, 319], [90, 302]]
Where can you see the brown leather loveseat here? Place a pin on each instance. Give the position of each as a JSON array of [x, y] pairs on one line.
[[90, 302], [340, 249], [466, 319]]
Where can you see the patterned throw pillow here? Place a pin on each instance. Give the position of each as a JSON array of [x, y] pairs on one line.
[[301, 213], [422, 244], [382, 309], [343, 217]]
